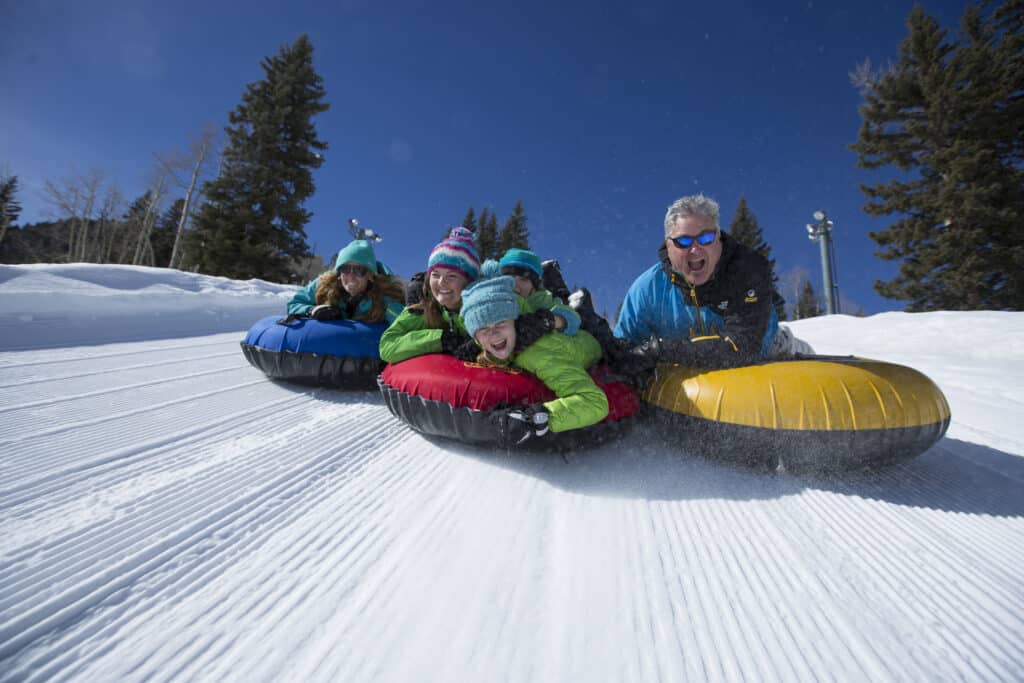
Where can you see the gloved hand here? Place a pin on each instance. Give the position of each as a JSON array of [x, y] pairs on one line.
[[636, 363], [460, 345], [532, 326], [518, 424], [414, 290], [710, 351], [325, 312]]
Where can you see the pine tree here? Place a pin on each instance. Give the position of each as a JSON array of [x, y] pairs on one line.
[[253, 221], [9, 206], [950, 117], [808, 304], [469, 221], [487, 236], [164, 233], [515, 233], [745, 230]]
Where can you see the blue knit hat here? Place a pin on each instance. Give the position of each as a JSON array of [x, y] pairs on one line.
[[489, 301], [358, 251], [457, 251], [521, 258]]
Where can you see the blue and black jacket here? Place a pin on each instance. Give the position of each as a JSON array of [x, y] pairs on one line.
[[734, 307]]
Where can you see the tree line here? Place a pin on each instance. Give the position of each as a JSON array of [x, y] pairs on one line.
[[947, 116]]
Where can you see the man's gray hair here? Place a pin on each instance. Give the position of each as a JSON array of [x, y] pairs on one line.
[[694, 205]]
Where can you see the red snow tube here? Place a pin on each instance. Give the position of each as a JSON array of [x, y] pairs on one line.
[[441, 395]]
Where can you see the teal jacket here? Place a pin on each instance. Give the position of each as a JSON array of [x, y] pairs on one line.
[[305, 299]]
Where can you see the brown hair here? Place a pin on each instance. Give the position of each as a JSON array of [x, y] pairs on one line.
[[329, 291], [432, 318]]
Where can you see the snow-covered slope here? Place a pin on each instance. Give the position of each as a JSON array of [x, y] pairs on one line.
[[167, 513]]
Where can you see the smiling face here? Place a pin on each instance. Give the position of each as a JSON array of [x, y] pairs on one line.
[[354, 278], [446, 285], [696, 264], [498, 339]]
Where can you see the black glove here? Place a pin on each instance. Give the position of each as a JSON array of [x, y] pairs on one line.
[[414, 290], [460, 345], [711, 351], [325, 312], [532, 326], [520, 423], [636, 363]]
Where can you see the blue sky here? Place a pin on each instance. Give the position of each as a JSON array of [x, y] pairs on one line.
[[597, 115]]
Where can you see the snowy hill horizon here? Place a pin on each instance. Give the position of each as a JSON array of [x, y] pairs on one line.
[[169, 513]]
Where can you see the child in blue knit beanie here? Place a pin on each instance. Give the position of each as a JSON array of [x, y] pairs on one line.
[[492, 313]]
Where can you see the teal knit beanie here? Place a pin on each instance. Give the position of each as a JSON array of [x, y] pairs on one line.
[[358, 251], [487, 302], [521, 258]]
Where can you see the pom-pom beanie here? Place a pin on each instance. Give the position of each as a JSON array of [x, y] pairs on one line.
[[457, 251]]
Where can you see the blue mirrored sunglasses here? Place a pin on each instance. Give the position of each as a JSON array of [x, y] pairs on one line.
[[703, 239], [352, 269]]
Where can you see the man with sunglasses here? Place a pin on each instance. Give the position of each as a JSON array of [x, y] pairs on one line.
[[707, 302]]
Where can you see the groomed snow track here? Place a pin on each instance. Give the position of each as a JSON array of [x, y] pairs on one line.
[[169, 513]]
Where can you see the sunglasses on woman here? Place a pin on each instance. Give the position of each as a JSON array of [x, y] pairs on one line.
[[354, 269], [703, 239]]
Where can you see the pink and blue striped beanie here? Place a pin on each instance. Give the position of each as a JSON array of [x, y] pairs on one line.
[[458, 252]]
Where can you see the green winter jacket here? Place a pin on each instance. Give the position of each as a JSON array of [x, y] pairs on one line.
[[561, 362], [542, 298], [408, 336], [305, 299]]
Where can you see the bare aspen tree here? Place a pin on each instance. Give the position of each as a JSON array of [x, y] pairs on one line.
[[75, 201], [193, 163]]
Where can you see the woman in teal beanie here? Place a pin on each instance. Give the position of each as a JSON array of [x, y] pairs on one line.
[[490, 309], [358, 288]]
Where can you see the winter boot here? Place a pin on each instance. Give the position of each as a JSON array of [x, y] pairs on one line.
[[551, 279], [581, 302]]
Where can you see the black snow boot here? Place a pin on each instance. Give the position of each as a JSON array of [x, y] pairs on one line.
[[551, 279]]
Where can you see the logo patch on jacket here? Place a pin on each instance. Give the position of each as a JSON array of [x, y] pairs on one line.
[[722, 305], [751, 297]]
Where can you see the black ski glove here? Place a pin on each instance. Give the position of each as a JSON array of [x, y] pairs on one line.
[[532, 326], [518, 424], [325, 312], [635, 363], [462, 346]]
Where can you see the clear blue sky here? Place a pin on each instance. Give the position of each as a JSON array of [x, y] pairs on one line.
[[597, 115]]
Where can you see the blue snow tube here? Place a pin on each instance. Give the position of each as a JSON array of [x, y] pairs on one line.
[[341, 354]]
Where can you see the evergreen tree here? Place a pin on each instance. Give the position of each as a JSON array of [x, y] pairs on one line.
[[253, 221], [469, 222], [950, 117], [515, 233], [9, 206], [164, 233], [487, 236], [808, 304], [745, 230]]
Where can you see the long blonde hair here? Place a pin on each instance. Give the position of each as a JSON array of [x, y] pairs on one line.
[[329, 291]]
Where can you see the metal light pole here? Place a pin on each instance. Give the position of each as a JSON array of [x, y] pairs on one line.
[[821, 232]]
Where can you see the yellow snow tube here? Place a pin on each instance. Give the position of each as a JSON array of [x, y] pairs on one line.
[[819, 413]]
